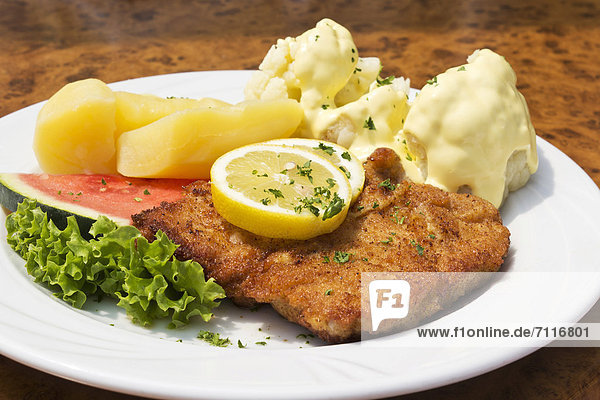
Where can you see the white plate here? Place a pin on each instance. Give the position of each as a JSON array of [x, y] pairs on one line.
[[554, 222]]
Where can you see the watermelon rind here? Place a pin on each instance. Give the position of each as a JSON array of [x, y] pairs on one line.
[[13, 190]]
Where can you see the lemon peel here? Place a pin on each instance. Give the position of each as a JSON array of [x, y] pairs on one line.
[[280, 191]]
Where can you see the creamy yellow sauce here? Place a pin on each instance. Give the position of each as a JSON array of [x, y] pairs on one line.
[[326, 64], [363, 125], [468, 130], [465, 125], [330, 47]]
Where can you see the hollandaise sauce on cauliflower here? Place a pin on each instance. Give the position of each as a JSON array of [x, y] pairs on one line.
[[343, 98], [469, 130]]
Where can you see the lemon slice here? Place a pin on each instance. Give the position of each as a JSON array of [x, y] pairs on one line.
[[280, 192], [336, 154]]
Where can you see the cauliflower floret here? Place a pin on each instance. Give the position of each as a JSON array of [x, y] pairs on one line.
[[261, 86], [371, 121], [314, 66], [469, 130], [343, 98], [365, 73]]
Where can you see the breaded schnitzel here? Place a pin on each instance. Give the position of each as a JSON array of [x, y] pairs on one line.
[[395, 225]]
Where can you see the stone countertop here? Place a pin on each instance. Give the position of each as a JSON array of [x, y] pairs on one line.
[[554, 48]]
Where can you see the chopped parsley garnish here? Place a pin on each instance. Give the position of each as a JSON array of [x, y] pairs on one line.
[[327, 149], [432, 81], [357, 70], [322, 191], [307, 203], [334, 207], [365, 259], [341, 257], [388, 240], [103, 181], [331, 182], [325, 260], [324, 106], [387, 184], [408, 157], [432, 236], [240, 345], [275, 192], [369, 124], [376, 204], [146, 192], [137, 199], [261, 343], [265, 201], [386, 81], [461, 68], [420, 249], [360, 208], [60, 192], [255, 172], [346, 156], [417, 246], [305, 170], [402, 220], [213, 339], [328, 292], [345, 171], [304, 336]]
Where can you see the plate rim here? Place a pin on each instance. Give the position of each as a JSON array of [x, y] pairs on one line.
[[54, 367]]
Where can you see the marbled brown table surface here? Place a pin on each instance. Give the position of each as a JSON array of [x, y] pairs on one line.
[[554, 48]]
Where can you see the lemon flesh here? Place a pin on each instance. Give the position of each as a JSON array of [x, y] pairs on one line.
[[339, 156], [280, 192]]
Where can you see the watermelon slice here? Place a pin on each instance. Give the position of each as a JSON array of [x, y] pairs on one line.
[[88, 196]]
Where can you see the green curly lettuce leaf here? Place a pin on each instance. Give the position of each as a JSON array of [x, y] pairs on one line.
[[144, 277]]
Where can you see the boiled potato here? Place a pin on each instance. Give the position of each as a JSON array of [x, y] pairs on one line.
[[75, 130], [137, 110], [186, 143]]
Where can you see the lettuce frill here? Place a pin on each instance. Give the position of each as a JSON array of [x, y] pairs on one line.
[[144, 277]]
